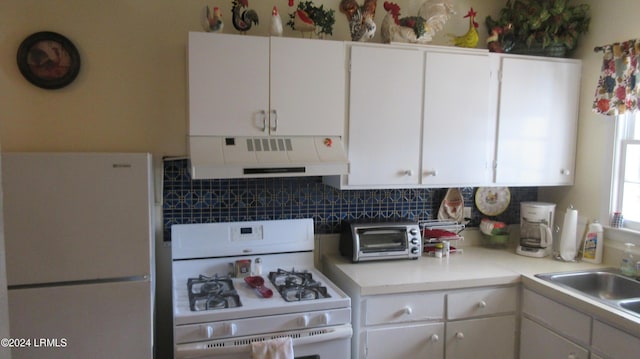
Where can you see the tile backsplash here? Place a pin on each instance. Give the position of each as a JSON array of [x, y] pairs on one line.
[[224, 200]]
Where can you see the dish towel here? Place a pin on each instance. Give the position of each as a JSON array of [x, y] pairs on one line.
[[452, 206], [279, 348]]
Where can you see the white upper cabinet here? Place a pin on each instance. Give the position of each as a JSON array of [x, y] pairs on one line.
[[259, 86], [385, 116], [458, 133], [537, 120]]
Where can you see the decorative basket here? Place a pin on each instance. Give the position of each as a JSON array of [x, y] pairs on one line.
[[553, 50]]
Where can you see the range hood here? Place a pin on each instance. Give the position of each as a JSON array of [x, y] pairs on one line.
[[251, 157]]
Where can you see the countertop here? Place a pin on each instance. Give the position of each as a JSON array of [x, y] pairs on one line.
[[476, 266]]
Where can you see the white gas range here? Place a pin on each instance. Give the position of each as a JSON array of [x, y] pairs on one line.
[[217, 313]]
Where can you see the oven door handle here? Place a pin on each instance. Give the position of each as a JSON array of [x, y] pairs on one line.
[[232, 346]]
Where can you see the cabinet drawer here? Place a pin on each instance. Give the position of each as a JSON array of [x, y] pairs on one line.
[[418, 341], [559, 317], [478, 302], [404, 308], [538, 342], [613, 342]]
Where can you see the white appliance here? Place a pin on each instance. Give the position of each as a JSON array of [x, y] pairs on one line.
[[79, 254], [536, 221], [237, 157], [217, 314]]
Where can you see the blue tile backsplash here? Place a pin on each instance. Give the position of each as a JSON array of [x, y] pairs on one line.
[[224, 200]]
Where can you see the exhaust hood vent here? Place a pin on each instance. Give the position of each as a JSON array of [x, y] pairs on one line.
[[249, 157]]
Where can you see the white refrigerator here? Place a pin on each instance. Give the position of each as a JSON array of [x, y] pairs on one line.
[[79, 254]]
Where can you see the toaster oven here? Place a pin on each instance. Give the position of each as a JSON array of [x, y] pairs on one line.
[[380, 240]]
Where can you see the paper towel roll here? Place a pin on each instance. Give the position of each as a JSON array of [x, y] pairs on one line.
[[568, 245]]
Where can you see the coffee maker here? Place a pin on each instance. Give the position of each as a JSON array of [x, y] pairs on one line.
[[536, 221]]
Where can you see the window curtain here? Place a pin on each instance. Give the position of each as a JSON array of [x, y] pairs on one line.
[[618, 91]]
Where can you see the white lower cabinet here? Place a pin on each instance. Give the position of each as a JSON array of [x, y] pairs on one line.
[[405, 341], [613, 343], [492, 337], [550, 329], [538, 342], [479, 322]]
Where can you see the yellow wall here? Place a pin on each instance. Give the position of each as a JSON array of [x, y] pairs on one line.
[[130, 94], [612, 21]]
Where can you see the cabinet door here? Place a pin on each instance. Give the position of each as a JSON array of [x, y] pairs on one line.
[[308, 79], [537, 342], [458, 133], [385, 113], [481, 338], [228, 84], [408, 341], [613, 342], [537, 123], [565, 320]]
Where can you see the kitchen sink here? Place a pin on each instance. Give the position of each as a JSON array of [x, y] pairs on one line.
[[607, 286]]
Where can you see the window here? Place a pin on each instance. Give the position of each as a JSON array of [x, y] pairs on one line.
[[626, 188]]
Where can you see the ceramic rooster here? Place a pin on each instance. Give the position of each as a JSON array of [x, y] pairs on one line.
[[242, 20], [432, 16], [493, 41], [470, 39], [309, 18], [360, 18], [276, 23], [212, 19]]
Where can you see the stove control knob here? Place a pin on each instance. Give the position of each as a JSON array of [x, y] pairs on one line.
[[232, 328], [326, 318], [413, 231], [304, 321], [414, 250], [415, 241], [208, 331]]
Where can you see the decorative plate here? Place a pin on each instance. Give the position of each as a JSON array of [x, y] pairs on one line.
[[48, 60], [492, 201]]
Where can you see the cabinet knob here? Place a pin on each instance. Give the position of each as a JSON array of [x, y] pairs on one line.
[[431, 173], [565, 172], [459, 335], [434, 338], [572, 356], [408, 310], [482, 304], [408, 173]]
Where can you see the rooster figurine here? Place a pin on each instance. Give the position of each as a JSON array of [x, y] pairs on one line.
[[242, 20], [432, 16], [470, 39], [276, 23], [212, 19], [302, 22], [360, 18]]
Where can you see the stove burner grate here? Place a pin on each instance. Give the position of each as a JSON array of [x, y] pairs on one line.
[[296, 286], [210, 293]]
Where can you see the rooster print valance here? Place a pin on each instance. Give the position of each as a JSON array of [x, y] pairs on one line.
[[617, 91]]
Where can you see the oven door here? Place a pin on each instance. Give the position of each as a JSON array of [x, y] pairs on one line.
[[315, 343], [376, 241]]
